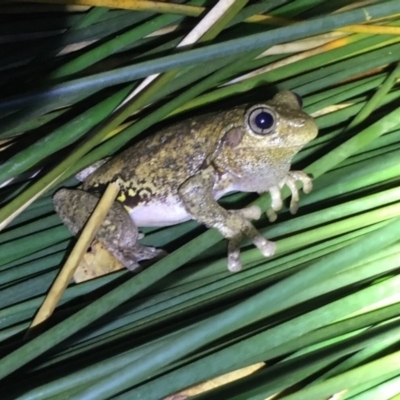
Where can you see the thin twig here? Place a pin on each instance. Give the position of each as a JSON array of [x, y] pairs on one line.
[[191, 38]]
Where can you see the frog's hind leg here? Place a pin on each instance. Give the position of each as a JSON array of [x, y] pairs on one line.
[[118, 232]]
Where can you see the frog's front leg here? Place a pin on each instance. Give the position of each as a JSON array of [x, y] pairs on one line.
[[118, 232], [197, 196], [290, 181]]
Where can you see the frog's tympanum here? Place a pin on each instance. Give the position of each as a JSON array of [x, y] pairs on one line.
[[179, 174]]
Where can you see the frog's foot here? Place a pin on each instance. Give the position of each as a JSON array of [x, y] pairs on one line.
[[252, 212], [130, 257], [148, 253], [237, 226], [276, 203], [290, 181], [126, 258], [266, 247]]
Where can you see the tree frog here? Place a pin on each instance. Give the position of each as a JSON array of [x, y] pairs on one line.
[[180, 172]]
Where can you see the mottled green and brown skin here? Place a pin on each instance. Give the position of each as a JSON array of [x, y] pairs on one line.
[[179, 174]]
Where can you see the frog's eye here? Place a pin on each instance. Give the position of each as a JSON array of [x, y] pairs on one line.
[[299, 99], [262, 121]]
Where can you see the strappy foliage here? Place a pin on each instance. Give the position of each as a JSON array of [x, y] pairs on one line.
[[320, 318]]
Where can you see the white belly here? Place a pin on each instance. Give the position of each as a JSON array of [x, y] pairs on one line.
[[159, 214], [170, 212]]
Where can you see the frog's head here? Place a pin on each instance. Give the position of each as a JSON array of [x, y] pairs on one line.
[[276, 124], [259, 141], [280, 122]]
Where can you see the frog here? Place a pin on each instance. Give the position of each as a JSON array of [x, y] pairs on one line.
[[180, 172]]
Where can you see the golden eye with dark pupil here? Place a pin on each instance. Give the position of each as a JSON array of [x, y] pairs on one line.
[[262, 121]]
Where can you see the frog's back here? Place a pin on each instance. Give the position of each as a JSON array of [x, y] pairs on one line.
[[153, 169]]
